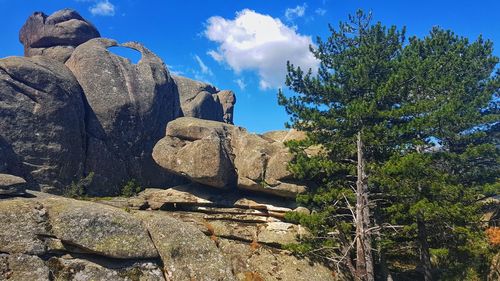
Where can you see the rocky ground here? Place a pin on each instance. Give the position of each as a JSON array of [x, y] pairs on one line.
[[182, 233]]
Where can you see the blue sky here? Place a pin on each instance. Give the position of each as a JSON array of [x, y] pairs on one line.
[[232, 44]]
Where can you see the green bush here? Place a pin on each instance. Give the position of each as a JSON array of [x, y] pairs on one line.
[[78, 189], [131, 188]]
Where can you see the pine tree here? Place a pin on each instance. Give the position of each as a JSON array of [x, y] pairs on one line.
[[451, 155], [345, 108], [408, 133]]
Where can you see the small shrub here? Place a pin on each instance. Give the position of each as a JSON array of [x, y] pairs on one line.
[[494, 235], [131, 188], [78, 189]]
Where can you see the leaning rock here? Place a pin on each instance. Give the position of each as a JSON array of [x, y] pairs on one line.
[[11, 185], [23, 268], [63, 28], [219, 154], [204, 101], [42, 119], [99, 229], [129, 107], [186, 252]]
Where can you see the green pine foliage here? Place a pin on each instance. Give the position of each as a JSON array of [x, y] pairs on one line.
[[79, 189], [131, 188], [451, 158], [427, 111]]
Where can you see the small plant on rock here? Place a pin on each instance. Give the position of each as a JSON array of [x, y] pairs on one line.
[[78, 189], [131, 188]]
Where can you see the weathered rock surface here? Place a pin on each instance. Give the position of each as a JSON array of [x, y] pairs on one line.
[[262, 263], [81, 240], [102, 116], [205, 199], [285, 135], [69, 268], [23, 268], [23, 225], [128, 109], [55, 35], [41, 121], [204, 101], [99, 229], [225, 156], [186, 252], [11, 185]]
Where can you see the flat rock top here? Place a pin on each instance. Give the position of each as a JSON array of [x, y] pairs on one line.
[[10, 180]]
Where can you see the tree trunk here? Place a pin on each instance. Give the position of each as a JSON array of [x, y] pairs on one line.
[[364, 259], [425, 256]]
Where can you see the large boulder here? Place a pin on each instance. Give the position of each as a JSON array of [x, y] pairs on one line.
[[40, 225], [128, 107], [42, 130], [56, 35], [11, 185], [73, 240], [99, 229], [225, 156], [204, 101]]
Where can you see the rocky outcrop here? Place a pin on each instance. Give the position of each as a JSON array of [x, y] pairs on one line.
[[225, 156], [23, 267], [12, 185], [128, 109], [111, 239], [80, 240], [187, 254], [263, 263], [55, 36], [41, 121], [204, 101], [97, 114]]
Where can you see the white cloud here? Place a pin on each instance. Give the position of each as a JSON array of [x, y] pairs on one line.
[[297, 12], [216, 56], [320, 11], [102, 8], [203, 67], [260, 43], [241, 83]]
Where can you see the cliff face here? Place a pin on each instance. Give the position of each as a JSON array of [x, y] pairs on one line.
[[71, 108]]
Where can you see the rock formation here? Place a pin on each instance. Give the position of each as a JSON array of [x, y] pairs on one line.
[[71, 108], [204, 101], [99, 113], [66, 239], [55, 36], [12, 185], [128, 107], [42, 120], [225, 156]]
